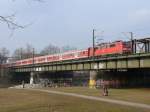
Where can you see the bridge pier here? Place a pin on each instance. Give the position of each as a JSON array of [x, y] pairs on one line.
[[92, 81], [32, 74]]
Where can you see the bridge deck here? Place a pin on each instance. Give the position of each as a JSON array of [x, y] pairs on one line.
[[122, 62]]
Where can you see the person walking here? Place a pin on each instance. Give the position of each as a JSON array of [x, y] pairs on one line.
[[23, 84], [105, 89]]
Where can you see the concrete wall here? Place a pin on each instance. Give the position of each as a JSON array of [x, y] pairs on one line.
[[130, 78], [4, 77]]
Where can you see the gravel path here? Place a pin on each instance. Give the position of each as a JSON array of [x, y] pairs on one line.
[[119, 102]]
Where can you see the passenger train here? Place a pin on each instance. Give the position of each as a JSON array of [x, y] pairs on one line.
[[117, 47]]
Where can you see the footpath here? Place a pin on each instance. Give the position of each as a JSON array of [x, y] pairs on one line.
[[119, 102]]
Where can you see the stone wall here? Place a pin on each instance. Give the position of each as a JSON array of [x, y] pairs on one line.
[[5, 77]]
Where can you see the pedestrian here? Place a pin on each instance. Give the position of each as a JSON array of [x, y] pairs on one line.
[[23, 84], [106, 91], [103, 89]]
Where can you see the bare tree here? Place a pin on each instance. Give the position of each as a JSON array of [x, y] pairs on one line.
[[29, 50], [18, 54], [68, 48], [50, 49], [23, 53], [4, 54]]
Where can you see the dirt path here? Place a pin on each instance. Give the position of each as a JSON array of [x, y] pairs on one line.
[[119, 102]]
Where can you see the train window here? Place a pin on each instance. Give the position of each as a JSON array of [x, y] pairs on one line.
[[84, 52], [112, 45], [96, 48]]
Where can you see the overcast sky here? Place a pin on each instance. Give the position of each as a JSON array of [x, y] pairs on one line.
[[70, 22]]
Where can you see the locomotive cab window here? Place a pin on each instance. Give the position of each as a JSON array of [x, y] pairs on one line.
[[127, 44]]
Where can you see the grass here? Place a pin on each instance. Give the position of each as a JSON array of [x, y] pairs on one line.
[[12, 100], [134, 95]]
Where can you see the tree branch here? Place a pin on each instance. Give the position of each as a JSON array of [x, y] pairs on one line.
[[9, 20]]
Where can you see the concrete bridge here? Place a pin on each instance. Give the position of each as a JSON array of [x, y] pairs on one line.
[[124, 62], [113, 63]]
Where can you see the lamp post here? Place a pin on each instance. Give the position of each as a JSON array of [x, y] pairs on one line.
[[93, 43], [94, 37], [33, 55], [132, 42]]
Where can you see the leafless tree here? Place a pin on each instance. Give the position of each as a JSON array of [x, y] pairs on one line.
[[23, 53], [18, 54], [4, 54], [68, 48], [29, 50], [50, 49]]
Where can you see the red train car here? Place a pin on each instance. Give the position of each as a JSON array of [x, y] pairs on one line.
[[77, 54]]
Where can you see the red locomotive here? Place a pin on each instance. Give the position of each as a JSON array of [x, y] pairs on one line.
[[117, 47]]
